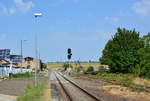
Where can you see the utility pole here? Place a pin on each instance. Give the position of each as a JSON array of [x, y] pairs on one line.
[[21, 50]]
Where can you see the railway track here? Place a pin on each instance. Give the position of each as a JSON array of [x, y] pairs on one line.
[[73, 91]]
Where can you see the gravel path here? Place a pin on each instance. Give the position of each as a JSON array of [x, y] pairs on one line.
[[75, 93], [55, 89], [93, 86]]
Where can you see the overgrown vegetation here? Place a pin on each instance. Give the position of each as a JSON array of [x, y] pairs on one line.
[[125, 80], [33, 93], [121, 79], [127, 52]]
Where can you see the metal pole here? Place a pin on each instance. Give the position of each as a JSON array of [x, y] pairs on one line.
[[36, 50], [21, 56], [21, 51], [36, 57]]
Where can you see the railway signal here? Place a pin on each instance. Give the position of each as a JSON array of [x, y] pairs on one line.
[[69, 50], [69, 54], [69, 58]]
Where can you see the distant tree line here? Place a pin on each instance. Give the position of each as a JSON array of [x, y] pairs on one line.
[[127, 52]]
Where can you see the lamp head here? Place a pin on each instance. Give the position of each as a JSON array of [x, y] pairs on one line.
[[37, 14]]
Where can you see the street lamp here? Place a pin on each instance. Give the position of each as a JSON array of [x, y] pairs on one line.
[[36, 50]]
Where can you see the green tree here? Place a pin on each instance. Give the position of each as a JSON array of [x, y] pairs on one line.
[[144, 57], [120, 52], [146, 39]]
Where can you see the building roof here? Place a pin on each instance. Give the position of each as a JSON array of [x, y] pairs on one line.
[[28, 59], [4, 62]]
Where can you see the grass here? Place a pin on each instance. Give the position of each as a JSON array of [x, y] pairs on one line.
[[23, 75], [3, 77], [47, 93], [33, 93], [59, 65], [123, 79]]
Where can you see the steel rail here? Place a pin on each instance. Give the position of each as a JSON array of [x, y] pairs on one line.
[[64, 89], [76, 85]]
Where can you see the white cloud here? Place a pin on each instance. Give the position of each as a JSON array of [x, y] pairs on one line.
[[111, 19], [12, 11], [142, 7], [23, 6], [5, 10]]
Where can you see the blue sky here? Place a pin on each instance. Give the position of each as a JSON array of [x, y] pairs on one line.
[[83, 25]]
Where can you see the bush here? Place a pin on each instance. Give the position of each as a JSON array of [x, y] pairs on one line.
[[65, 66], [90, 69], [43, 66]]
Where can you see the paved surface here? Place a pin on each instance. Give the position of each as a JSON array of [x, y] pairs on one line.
[[18, 86], [10, 89], [7, 98]]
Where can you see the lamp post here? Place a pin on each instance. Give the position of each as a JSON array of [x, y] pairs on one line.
[[36, 15]]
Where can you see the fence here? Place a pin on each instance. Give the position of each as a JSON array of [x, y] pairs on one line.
[[4, 71]]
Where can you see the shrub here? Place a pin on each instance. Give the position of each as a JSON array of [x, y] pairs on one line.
[[90, 69], [65, 66]]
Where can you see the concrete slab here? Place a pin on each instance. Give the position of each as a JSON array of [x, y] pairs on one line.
[[7, 98]]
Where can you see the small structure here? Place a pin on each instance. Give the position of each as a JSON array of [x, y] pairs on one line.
[[4, 63], [15, 58], [30, 63], [4, 53]]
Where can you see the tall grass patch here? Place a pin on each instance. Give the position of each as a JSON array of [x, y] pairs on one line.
[[33, 93]]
